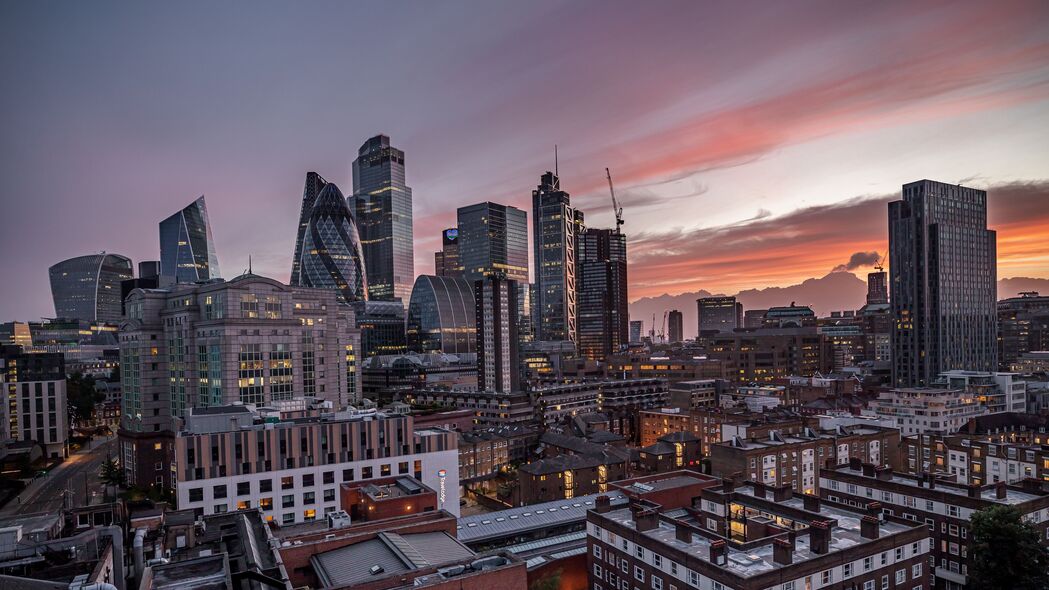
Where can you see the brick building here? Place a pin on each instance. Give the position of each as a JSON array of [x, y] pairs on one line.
[[386, 498], [715, 425], [946, 508], [568, 476], [975, 460], [795, 459]]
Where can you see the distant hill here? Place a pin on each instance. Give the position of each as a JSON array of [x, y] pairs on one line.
[[833, 292]]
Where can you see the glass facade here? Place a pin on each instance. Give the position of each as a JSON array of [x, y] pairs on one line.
[[382, 327], [187, 249], [446, 262], [441, 316], [88, 287], [315, 183], [331, 250], [382, 203], [556, 225], [943, 274], [603, 316]]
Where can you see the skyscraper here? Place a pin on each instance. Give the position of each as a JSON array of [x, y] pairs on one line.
[[314, 184], [602, 300], [723, 314], [383, 207], [441, 316], [636, 327], [331, 251], [447, 262], [555, 227], [493, 239], [498, 362], [88, 287], [187, 250], [942, 260], [675, 326], [877, 288]]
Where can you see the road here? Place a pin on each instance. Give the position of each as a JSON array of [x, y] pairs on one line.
[[76, 477]]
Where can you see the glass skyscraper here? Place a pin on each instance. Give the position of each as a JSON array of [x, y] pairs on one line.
[[493, 240], [315, 183], [603, 316], [556, 226], [331, 251], [943, 274], [383, 207], [88, 287], [187, 250]]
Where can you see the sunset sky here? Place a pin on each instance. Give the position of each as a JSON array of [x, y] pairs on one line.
[[752, 144]]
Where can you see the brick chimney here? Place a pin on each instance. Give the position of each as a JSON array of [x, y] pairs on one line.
[[728, 485], [869, 527], [883, 473], [646, 520], [602, 504], [811, 501], [782, 551], [874, 509], [868, 470], [819, 536], [855, 463], [783, 493], [759, 489], [931, 478], [973, 491], [718, 551], [1000, 491], [682, 532]]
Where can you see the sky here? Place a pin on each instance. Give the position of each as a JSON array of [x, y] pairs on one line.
[[752, 144]]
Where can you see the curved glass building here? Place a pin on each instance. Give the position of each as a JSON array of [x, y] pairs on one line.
[[88, 287], [441, 316], [187, 250], [331, 251]]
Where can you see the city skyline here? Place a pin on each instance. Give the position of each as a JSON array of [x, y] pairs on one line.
[[769, 180]]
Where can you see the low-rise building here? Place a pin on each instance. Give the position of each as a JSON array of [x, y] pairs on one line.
[[34, 404], [795, 459], [714, 425], [236, 458], [946, 508], [975, 460], [745, 538], [672, 369], [927, 410], [568, 476], [482, 455]]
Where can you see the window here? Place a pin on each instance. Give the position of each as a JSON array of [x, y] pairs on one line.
[[827, 577], [287, 501], [639, 552], [901, 576], [597, 571], [846, 571], [196, 494], [868, 585], [288, 518], [266, 485], [266, 503], [307, 480], [244, 488], [309, 498], [219, 492], [639, 574], [597, 551], [309, 515], [287, 483], [657, 560], [656, 583], [916, 571], [329, 495], [329, 477], [347, 475], [868, 563]]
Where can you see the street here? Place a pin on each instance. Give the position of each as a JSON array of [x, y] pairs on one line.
[[78, 475]]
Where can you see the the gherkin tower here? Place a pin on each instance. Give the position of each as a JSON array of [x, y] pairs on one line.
[[330, 257]]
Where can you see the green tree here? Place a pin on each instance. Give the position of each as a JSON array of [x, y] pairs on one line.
[[1006, 552], [110, 474], [82, 397]]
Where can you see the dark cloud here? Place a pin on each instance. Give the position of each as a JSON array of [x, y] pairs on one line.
[[857, 260]]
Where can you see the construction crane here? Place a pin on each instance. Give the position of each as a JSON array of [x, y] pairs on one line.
[[663, 329], [618, 211]]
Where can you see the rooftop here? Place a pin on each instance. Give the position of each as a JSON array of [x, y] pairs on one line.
[[388, 553], [506, 523], [987, 493]]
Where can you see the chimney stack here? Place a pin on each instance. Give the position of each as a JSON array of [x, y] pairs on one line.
[[819, 536], [728, 485], [811, 501], [783, 493], [646, 520], [932, 480], [973, 491], [855, 464], [874, 509], [603, 504], [869, 527], [759, 489], [1000, 492], [682, 532], [718, 550], [868, 469], [883, 473], [782, 551]]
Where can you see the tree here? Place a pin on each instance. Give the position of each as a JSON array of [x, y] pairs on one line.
[[82, 397], [111, 474], [1006, 552]]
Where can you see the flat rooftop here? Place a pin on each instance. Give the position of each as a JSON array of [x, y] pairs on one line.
[[506, 523], [1012, 496]]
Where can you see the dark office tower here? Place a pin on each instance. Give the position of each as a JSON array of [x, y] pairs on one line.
[[498, 365], [676, 326], [723, 314], [493, 240], [315, 183], [148, 278], [877, 288], [942, 260], [148, 269], [602, 323], [187, 250], [382, 327], [331, 251], [446, 262], [555, 227], [88, 287], [383, 205], [636, 327]]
